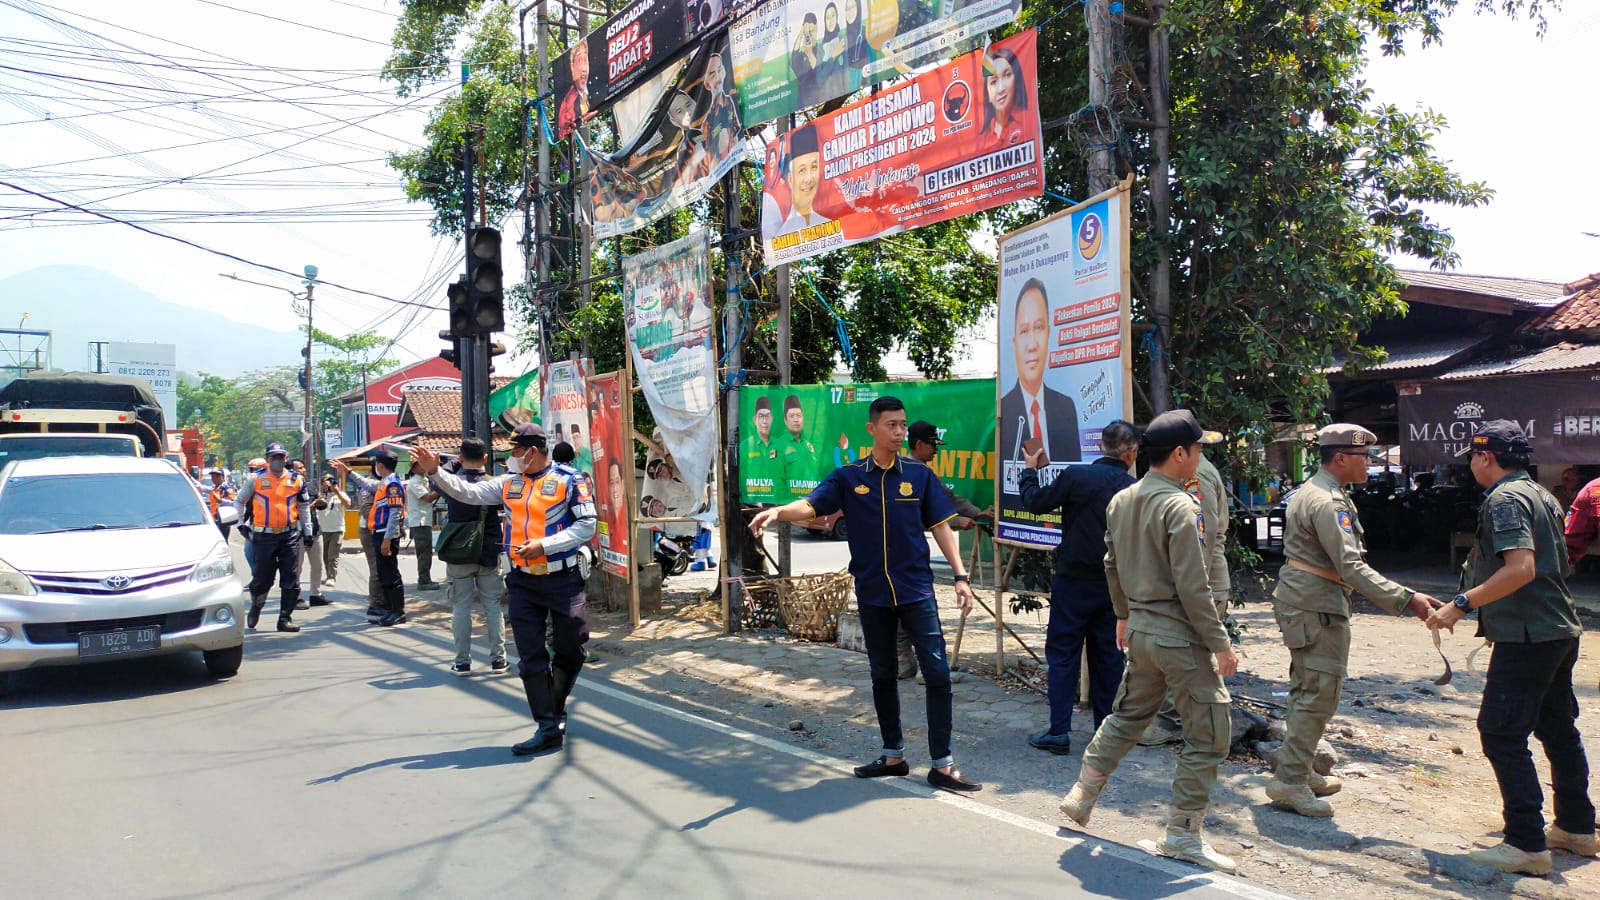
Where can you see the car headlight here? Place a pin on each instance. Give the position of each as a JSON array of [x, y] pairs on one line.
[[14, 582], [218, 565]]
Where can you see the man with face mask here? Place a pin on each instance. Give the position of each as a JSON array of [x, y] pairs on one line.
[[279, 517], [552, 514], [254, 467]]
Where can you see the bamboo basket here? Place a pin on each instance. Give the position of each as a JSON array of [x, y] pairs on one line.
[[811, 604], [762, 609]]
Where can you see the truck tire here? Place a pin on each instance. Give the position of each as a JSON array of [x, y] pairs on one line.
[[224, 662]]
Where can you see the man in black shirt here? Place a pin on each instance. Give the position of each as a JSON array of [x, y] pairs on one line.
[[479, 580], [1080, 601]]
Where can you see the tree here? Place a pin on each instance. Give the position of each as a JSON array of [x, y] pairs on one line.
[[198, 398], [232, 420], [365, 358]]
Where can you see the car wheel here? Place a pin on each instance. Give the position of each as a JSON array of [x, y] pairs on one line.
[[838, 532], [225, 662]]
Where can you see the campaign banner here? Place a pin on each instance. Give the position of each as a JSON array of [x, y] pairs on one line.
[[565, 405], [516, 403], [1065, 356], [792, 436], [693, 138], [666, 301], [1559, 412], [644, 36], [611, 445], [793, 54], [958, 139]]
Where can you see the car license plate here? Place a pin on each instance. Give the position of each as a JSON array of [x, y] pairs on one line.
[[123, 640]]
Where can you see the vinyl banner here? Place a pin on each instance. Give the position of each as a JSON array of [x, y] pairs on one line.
[[566, 409], [610, 442], [1065, 358], [693, 138], [666, 300], [792, 436], [516, 403], [791, 54], [959, 139], [1559, 411], [639, 40]]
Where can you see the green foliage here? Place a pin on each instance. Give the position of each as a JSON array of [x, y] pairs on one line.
[[332, 378], [198, 398], [229, 411]]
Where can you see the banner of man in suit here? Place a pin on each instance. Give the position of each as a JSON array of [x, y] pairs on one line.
[[1065, 357]]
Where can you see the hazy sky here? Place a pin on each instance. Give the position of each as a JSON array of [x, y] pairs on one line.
[[266, 139]]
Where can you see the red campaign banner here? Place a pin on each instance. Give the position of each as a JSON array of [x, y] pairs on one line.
[[958, 139], [1088, 309], [1089, 331], [613, 469], [1086, 353]]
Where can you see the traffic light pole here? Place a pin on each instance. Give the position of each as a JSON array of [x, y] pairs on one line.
[[467, 355], [310, 448]]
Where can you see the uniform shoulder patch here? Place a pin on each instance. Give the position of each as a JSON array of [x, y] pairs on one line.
[[1503, 516], [548, 487], [1346, 525]]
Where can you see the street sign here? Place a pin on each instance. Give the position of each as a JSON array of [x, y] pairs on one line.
[[281, 421], [332, 439]]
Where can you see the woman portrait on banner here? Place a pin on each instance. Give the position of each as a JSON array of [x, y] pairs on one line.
[[857, 52], [1007, 120], [831, 78]]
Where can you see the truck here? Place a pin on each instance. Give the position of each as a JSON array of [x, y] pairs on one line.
[[79, 413]]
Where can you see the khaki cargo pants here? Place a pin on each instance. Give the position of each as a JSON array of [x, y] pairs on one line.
[[1319, 656], [1156, 663]]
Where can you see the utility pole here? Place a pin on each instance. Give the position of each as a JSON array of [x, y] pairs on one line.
[[309, 454], [1160, 292], [733, 526], [785, 376], [1102, 168], [541, 248]]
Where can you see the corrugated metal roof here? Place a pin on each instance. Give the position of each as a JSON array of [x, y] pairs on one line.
[[1417, 355], [1524, 291], [1557, 358]]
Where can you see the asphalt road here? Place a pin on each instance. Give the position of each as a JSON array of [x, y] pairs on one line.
[[346, 762]]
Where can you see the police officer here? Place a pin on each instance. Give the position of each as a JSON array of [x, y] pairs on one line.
[[1167, 623], [552, 514], [761, 469], [1518, 575], [1323, 561], [280, 519], [385, 525], [220, 495]]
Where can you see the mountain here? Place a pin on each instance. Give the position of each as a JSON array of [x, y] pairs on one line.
[[80, 304]]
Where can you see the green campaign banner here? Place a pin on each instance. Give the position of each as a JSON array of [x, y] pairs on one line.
[[517, 403], [792, 436]]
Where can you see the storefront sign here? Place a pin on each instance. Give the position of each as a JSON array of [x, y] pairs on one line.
[[1559, 411]]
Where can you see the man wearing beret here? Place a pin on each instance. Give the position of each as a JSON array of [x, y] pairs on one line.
[[1324, 560], [761, 469], [1518, 574], [1167, 623]]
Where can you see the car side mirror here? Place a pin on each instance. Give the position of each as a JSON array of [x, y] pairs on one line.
[[227, 515]]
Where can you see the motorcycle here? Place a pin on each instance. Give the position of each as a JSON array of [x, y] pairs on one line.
[[673, 555]]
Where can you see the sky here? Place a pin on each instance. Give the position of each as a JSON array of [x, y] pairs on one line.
[[260, 130]]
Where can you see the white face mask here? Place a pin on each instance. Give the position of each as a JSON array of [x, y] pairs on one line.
[[514, 464]]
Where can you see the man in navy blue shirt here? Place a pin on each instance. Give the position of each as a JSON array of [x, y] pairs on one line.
[[1080, 600], [888, 501]]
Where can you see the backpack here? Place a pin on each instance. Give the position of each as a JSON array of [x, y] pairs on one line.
[[461, 542]]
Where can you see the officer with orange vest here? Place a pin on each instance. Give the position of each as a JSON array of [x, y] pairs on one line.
[[383, 526], [221, 494], [280, 519], [551, 514]]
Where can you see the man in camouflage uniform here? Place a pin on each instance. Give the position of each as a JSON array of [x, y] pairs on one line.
[[1167, 622], [1324, 560]]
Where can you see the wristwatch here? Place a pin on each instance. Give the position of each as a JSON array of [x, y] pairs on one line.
[[1461, 602], [966, 578]]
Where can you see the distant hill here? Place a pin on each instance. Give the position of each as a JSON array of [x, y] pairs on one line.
[[80, 304]]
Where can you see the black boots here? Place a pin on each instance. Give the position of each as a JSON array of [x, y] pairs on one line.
[[286, 610], [541, 691], [257, 603], [395, 598], [563, 681]]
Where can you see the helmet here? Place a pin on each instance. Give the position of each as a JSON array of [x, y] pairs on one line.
[[276, 449], [256, 463]]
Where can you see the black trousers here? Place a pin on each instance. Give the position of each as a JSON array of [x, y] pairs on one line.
[[278, 553], [556, 602], [1080, 614], [390, 582], [1528, 691]]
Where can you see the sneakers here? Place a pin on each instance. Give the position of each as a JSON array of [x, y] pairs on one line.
[[374, 611], [393, 619], [1079, 803], [460, 668], [1558, 838], [499, 666], [1157, 734], [1323, 785], [1507, 858], [1183, 841], [1298, 798]]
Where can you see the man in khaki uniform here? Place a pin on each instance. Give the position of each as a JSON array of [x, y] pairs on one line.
[[1207, 487], [1167, 623], [1324, 560]]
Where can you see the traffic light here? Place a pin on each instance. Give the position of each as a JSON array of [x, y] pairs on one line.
[[454, 355], [300, 378], [460, 312], [495, 349], [485, 288]]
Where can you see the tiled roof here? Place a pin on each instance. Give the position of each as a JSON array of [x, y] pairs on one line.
[[1523, 291], [435, 411], [1416, 355], [1581, 311], [1563, 357], [451, 443]]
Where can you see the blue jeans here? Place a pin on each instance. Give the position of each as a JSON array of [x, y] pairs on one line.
[[879, 625], [1080, 613]]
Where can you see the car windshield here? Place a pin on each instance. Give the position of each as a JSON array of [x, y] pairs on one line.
[[13, 449], [42, 504]]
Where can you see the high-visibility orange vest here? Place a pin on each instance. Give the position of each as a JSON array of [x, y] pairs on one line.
[[276, 503], [215, 498], [537, 507]]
